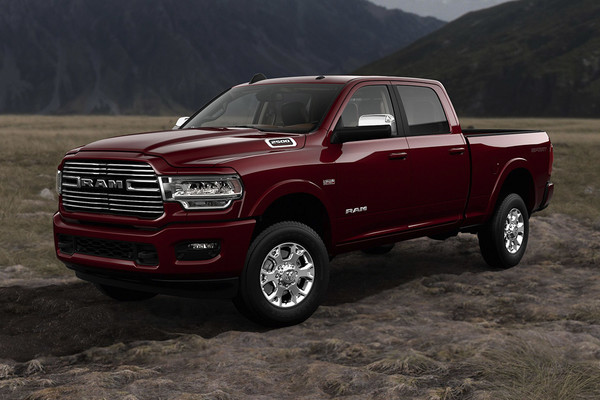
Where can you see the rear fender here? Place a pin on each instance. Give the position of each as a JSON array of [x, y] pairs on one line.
[[509, 167]]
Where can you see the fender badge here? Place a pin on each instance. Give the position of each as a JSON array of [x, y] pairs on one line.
[[281, 142], [356, 210]]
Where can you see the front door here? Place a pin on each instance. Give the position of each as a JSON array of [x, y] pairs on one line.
[[373, 176]]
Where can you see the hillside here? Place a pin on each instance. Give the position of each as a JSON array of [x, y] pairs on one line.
[[168, 56], [522, 58]]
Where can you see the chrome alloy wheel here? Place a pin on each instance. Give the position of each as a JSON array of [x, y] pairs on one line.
[[287, 275], [514, 231]]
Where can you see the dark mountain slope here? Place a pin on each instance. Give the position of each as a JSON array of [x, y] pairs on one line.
[[149, 56], [528, 57]]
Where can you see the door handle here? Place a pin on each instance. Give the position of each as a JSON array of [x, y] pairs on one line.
[[398, 156], [457, 150]]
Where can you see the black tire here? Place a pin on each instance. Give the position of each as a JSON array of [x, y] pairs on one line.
[[383, 249], [285, 273], [498, 251], [121, 294]]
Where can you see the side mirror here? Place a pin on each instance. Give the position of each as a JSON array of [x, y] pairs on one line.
[[376, 119], [370, 126], [180, 122]]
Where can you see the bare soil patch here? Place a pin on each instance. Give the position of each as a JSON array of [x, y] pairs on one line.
[[428, 320]]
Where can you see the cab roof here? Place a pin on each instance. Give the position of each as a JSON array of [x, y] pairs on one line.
[[335, 79]]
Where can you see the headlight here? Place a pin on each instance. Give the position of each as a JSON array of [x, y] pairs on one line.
[[202, 192], [58, 182]]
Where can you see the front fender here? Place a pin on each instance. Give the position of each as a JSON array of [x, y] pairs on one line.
[[284, 188]]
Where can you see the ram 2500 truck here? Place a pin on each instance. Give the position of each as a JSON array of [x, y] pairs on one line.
[[251, 196]]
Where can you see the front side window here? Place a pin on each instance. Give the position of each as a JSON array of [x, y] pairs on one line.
[[298, 108], [368, 100], [424, 111]]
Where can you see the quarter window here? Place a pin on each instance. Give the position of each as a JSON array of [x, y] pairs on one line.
[[424, 112]]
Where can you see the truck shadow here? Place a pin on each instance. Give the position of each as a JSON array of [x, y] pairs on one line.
[[356, 275], [67, 319]]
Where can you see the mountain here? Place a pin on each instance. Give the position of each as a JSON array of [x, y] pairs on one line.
[[170, 56], [442, 9], [522, 58]]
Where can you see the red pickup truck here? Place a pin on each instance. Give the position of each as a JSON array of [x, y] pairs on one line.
[[251, 196]]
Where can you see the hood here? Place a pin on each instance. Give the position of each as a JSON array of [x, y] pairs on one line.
[[200, 147]]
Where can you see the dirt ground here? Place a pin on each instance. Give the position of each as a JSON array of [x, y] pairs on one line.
[[427, 321]]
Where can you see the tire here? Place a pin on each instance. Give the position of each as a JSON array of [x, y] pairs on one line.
[[285, 276], [378, 250], [503, 239], [121, 294]]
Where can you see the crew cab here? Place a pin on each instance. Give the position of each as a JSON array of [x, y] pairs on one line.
[[251, 196]]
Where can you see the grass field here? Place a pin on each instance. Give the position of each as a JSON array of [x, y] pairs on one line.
[[32, 147], [429, 320]]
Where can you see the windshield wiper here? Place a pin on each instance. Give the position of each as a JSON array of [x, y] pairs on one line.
[[247, 126]]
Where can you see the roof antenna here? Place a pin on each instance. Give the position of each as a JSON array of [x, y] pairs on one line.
[[257, 78]]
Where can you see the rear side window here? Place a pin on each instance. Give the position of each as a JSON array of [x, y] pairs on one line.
[[424, 111]]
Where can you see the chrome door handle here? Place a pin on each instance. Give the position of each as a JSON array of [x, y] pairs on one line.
[[457, 150], [398, 156]]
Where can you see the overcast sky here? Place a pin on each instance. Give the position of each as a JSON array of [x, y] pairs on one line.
[[446, 10]]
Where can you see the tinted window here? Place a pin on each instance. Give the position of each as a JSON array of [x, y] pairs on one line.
[[424, 111], [272, 107], [367, 100]]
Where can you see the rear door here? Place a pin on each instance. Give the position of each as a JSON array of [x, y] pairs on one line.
[[439, 159]]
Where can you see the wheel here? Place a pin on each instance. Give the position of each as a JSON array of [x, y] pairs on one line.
[[285, 277], [503, 239], [121, 294], [383, 249]]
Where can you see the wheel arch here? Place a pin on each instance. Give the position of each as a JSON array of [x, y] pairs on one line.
[[514, 178], [295, 200]]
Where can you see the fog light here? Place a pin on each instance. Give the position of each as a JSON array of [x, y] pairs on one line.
[[146, 254], [197, 250], [66, 244]]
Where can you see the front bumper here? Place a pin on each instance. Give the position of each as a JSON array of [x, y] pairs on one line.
[[234, 238], [176, 286]]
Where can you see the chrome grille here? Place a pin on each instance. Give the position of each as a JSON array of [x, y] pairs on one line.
[[120, 188]]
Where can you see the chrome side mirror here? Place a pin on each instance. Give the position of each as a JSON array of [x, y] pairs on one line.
[[376, 120], [180, 122]]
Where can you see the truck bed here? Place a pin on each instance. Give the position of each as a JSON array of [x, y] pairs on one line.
[[491, 132], [497, 152]]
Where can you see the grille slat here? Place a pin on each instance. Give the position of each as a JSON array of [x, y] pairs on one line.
[[144, 202], [143, 205], [137, 211], [97, 203], [126, 201]]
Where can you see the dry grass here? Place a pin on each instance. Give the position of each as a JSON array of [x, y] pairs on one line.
[[426, 321], [423, 322], [533, 367]]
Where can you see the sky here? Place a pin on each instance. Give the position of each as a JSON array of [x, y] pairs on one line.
[[446, 10]]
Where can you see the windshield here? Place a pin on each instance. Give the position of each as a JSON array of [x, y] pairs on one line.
[[297, 108]]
